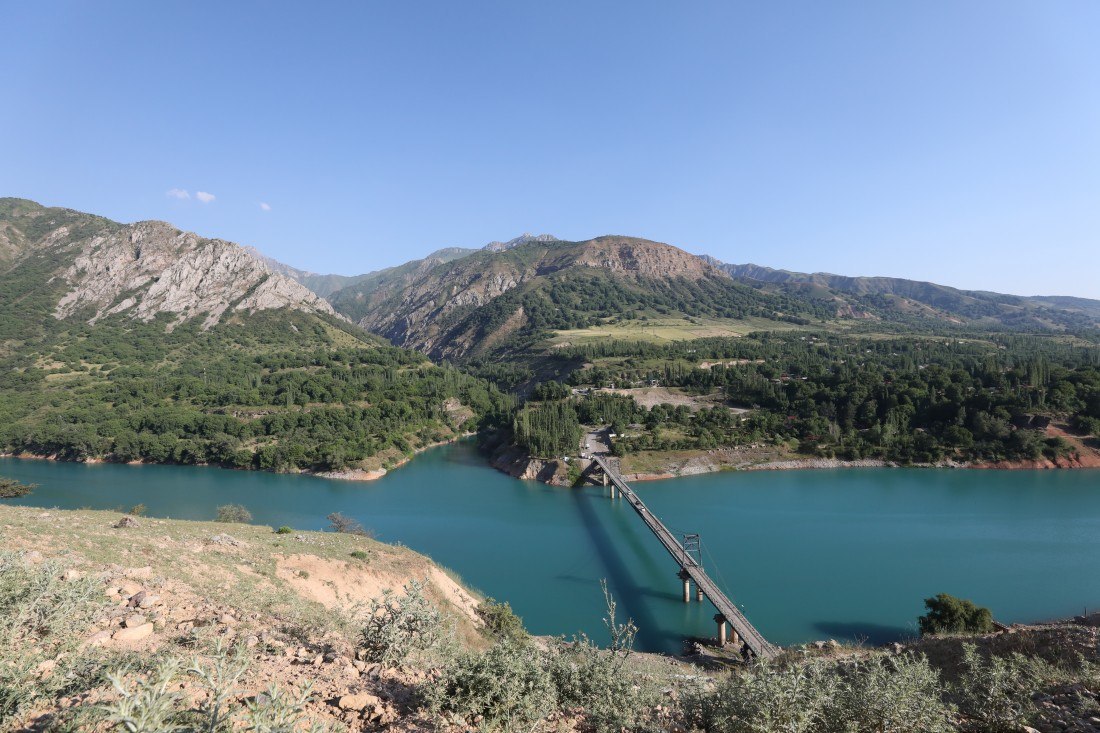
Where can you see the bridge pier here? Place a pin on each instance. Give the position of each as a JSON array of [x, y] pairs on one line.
[[686, 577], [721, 629], [698, 594]]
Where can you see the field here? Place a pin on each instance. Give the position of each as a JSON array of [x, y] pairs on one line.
[[662, 330]]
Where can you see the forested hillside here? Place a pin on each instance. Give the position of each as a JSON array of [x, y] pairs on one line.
[[907, 400], [279, 390], [139, 342]]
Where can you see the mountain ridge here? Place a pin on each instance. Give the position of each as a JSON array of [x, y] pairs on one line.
[[82, 266]]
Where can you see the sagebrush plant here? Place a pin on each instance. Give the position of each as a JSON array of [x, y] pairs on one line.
[[892, 695], [509, 686], [146, 704], [233, 514], [43, 620], [602, 682], [995, 693], [767, 698], [151, 702], [403, 629]]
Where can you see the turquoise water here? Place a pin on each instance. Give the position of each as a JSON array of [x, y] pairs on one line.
[[808, 554]]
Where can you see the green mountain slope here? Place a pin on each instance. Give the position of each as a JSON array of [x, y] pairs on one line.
[[496, 301], [140, 342], [911, 300]]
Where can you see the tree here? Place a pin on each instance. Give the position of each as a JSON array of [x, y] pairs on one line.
[[950, 615], [346, 525]]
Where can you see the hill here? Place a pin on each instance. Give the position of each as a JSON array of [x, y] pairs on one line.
[[507, 298], [912, 301], [143, 343]]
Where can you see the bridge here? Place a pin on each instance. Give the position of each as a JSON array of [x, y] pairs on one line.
[[691, 569]]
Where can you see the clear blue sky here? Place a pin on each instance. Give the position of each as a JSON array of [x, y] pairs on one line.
[[957, 142]]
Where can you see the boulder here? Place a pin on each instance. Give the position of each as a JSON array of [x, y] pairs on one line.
[[136, 633], [133, 620], [150, 600], [125, 522], [358, 702]]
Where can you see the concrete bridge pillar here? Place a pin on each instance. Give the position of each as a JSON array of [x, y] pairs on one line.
[[698, 594], [721, 629], [686, 577]]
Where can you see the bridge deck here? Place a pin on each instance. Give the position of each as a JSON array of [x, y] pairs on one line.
[[748, 633]]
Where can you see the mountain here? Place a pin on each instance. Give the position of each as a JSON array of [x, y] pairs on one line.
[[354, 300], [897, 298], [497, 296], [139, 342], [70, 265], [322, 285], [524, 238]]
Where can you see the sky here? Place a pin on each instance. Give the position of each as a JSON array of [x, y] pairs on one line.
[[957, 142]]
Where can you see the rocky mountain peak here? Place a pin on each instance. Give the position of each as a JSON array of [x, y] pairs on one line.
[[100, 268], [524, 238]]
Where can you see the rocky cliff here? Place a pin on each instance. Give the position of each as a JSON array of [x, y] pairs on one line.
[[99, 268]]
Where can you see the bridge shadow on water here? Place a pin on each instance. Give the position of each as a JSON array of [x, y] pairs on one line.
[[631, 596], [863, 631]]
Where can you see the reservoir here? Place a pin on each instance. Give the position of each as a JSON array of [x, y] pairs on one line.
[[816, 554]]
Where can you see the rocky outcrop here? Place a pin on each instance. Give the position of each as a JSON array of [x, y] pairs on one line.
[[146, 269]]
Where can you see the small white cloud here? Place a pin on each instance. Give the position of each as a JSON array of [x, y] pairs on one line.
[[265, 206], [179, 193], [204, 197]]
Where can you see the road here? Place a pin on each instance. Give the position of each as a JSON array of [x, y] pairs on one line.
[[596, 442]]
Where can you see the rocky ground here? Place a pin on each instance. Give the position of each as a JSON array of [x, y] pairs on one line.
[[292, 600]]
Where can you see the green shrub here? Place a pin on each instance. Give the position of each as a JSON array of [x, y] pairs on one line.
[[360, 555], [768, 697], [501, 621], [602, 682], [509, 686], [401, 627], [284, 530], [950, 615], [137, 510], [892, 695], [234, 514]]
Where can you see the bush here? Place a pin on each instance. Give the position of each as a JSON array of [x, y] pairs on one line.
[[360, 555], [950, 615], [12, 489], [284, 530], [996, 692], [398, 628], [892, 695], [501, 621], [769, 697], [509, 686], [601, 681], [137, 510], [234, 514], [344, 524]]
